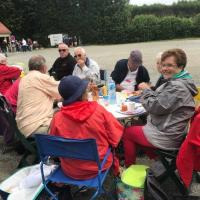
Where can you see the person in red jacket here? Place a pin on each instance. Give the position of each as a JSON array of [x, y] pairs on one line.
[[81, 119], [7, 74], [188, 159]]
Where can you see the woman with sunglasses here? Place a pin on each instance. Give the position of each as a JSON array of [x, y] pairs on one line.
[[170, 108]]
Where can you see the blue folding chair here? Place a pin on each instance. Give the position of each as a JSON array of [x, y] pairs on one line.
[[71, 148]]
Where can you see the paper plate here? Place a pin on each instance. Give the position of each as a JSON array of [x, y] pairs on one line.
[[137, 111], [134, 176]]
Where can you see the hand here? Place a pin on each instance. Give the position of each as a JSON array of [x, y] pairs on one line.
[[119, 88], [143, 86], [81, 63]]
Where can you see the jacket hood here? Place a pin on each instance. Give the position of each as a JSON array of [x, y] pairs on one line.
[[182, 74], [189, 83], [186, 79], [79, 111]]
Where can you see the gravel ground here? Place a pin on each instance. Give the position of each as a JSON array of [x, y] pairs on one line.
[[107, 56]]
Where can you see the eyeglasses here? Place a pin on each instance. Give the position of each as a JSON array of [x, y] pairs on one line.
[[168, 65], [62, 50], [77, 56]]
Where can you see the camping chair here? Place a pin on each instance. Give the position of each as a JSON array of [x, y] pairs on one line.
[[71, 148], [9, 118], [169, 160]]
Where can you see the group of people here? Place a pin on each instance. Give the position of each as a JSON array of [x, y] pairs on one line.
[[169, 104], [14, 45]]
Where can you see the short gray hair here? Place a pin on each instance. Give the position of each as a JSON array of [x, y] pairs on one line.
[[136, 57], [36, 62], [2, 58]]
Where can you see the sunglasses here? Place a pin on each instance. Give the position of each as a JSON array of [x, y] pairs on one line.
[[62, 50], [77, 56]]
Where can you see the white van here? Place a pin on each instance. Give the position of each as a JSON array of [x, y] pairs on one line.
[[55, 39]]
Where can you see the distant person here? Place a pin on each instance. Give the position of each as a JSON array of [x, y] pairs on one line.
[[24, 45], [7, 74], [86, 68], [129, 73], [30, 44], [64, 65], [36, 95], [4, 46], [75, 41]]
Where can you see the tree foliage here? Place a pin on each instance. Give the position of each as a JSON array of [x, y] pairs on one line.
[[100, 21]]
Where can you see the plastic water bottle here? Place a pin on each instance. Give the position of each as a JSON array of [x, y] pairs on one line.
[[111, 91]]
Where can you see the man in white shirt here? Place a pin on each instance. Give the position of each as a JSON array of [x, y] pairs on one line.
[[86, 68], [129, 73]]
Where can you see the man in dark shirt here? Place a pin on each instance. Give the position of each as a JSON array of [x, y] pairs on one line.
[[64, 65], [129, 73]]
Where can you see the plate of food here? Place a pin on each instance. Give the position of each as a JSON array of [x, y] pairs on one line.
[[136, 111]]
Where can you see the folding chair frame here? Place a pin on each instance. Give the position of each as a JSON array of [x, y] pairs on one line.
[[44, 156]]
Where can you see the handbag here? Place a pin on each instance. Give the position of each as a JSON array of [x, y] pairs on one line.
[[152, 188]]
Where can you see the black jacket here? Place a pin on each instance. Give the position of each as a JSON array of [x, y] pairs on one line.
[[121, 70], [62, 67], [159, 82]]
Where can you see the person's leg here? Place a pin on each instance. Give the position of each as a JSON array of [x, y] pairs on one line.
[[133, 136]]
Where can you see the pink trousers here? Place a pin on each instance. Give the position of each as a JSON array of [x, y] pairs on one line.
[[134, 138]]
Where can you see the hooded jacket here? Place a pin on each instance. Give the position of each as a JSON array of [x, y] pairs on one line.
[[188, 160], [170, 108], [7, 75], [84, 120]]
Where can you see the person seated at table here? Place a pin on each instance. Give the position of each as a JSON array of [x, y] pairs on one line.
[[170, 108], [128, 73], [11, 95], [161, 79], [86, 68], [82, 119], [7, 74], [63, 65], [36, 95]]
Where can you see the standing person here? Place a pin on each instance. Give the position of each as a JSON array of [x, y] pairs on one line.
[[4, 46], [86, 68], [129, 73], [30, 44], [82, 119], [7, 74], [24, 45], [64, 65], [36, 95], [170, 108]]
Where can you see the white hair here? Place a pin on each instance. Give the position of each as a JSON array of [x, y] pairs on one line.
[[80, 49], [159, 55], [2, 58]]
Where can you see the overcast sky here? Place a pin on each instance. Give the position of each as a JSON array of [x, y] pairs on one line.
[[148, 2]]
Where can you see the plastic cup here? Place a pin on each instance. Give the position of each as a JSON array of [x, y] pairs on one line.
[[106, 100]]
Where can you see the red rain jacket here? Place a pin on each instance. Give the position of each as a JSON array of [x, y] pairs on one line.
[[7, 74], [84, 120], [188, 159]]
